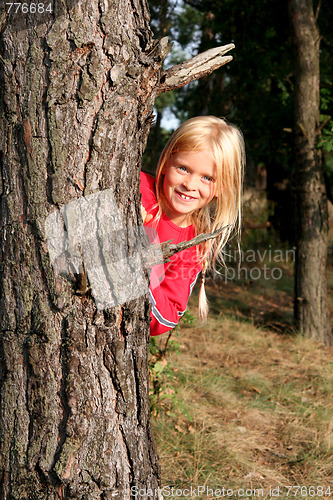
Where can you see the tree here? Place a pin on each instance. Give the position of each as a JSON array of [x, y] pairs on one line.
[[77, 93], [312, 214]]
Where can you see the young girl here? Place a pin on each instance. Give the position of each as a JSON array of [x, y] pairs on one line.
[[197, 190]]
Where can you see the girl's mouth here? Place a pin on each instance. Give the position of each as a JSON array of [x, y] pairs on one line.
[[184, 197]]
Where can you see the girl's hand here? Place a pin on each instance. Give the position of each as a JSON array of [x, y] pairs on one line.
[[145, 216]]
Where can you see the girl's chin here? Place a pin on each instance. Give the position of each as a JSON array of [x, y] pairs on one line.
[[182, 210], [175, 211]]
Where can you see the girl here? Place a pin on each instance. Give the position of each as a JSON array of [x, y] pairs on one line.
[[197, 190]]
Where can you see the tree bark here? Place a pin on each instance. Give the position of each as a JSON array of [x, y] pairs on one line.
[[311, 307], [77, 96]]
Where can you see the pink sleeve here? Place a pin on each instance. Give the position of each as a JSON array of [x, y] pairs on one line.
[[147, 190], [169, 299]]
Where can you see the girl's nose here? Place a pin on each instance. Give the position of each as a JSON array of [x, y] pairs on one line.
[[189, 184]]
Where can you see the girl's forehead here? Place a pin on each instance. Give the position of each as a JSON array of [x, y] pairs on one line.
[[196, 156]]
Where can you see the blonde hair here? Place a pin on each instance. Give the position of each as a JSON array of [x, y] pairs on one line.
[[225, 143]]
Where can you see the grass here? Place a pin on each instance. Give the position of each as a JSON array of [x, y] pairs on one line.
[[256, 409]]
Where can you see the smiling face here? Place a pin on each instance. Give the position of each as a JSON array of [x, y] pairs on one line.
[[189, 184]]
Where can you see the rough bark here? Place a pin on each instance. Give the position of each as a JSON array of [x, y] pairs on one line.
[[311, 307], [76, 103]]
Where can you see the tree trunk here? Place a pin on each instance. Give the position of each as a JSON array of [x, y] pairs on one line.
[[311, 307], [77, 95]]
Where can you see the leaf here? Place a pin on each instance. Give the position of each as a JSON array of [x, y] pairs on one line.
[[159, 366]]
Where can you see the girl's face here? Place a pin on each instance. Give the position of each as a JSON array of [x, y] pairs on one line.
[[189, 184]]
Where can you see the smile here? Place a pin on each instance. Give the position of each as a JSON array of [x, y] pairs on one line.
[[184, 197]]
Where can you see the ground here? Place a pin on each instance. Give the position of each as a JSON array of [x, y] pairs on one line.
[[244, 402]]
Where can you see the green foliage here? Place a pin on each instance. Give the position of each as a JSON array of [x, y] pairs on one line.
[[163, 380], [326, 140], [162, 17], [256, 89], [188, 27], [326, 107]]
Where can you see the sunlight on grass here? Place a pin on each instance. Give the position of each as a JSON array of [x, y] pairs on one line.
[[252, 403], [260, 406]]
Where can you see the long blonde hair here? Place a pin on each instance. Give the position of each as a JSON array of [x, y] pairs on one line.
[[225, 143]]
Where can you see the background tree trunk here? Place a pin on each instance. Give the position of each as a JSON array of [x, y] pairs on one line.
[[311, 308], [76, 103]]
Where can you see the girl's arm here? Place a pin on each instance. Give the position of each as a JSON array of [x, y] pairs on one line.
[[169, 299]]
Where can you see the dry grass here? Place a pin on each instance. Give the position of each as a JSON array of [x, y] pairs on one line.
[[259, 398]]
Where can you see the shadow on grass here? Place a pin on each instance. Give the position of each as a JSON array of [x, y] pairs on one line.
[[265, 302]]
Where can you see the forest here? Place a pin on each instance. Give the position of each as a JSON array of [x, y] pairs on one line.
[[237, 403], [260, 91]]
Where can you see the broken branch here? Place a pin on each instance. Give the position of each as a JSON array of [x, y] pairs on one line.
[[152, 254], [201, 65]]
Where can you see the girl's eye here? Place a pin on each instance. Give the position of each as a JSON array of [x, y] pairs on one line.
[[207, 178], [182, 169]]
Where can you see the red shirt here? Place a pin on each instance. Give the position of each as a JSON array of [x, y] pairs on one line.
[[171, 284]]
